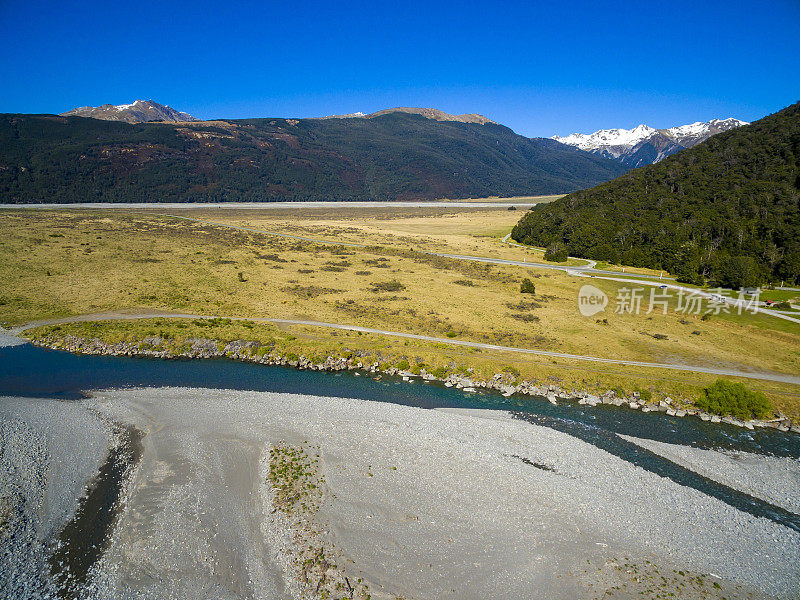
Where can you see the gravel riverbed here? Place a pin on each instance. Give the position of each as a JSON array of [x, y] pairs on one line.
[[49, 452], [417, 503], [770, 478]]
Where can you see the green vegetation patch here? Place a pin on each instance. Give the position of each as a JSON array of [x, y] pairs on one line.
[[295, 479], [728, 398]]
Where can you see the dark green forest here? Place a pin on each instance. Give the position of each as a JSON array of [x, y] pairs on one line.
[[48, 158], [724, 212]]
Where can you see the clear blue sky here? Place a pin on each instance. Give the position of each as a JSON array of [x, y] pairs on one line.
[[542, 68]]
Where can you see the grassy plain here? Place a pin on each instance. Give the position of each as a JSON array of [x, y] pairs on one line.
[[58, 263]]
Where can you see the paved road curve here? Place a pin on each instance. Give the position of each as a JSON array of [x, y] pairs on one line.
[[782, 378]]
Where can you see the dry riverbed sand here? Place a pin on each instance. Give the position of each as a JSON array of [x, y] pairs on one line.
[[418, 504]]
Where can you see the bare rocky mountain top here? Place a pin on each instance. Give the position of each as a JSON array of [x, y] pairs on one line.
[[429, 113], [138, 111]]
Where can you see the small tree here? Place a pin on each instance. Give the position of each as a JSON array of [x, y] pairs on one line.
[[527, 287], [556, 252]]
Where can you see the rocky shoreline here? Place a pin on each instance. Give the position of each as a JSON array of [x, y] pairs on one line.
[[504, 383]]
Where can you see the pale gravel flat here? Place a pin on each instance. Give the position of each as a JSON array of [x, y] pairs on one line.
[[770, 478], [421, 503], [49, 452], [7, 340]]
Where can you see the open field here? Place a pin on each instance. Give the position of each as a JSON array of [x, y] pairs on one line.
[[56, 263]]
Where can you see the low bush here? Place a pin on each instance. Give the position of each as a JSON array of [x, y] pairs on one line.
[[729, 398], [439, 372], [387, 286], [524, 317]]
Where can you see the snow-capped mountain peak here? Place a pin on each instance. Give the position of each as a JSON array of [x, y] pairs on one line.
[[607, 137], [644, 144]]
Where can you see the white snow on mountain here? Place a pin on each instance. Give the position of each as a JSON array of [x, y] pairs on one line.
[[127, 106], [607, 137], [644, 144], [700, 128]]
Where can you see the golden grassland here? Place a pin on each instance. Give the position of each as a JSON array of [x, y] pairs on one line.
[[58, 263]]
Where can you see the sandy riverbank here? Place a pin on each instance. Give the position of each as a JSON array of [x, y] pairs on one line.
[[418, 503]]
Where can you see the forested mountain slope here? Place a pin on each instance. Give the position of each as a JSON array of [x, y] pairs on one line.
[[725, 210], [396, 156]]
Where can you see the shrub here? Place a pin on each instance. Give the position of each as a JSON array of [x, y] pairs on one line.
[[309, 291], [728, 398], [439, 372], [387, 286], [403, 365], [645, 395], [381, 263], [524, 317], [451, 334], [527, 286]]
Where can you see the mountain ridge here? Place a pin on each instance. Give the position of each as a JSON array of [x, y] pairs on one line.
[[394, 156], [429, 113], [643, 144], [138, 111]]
